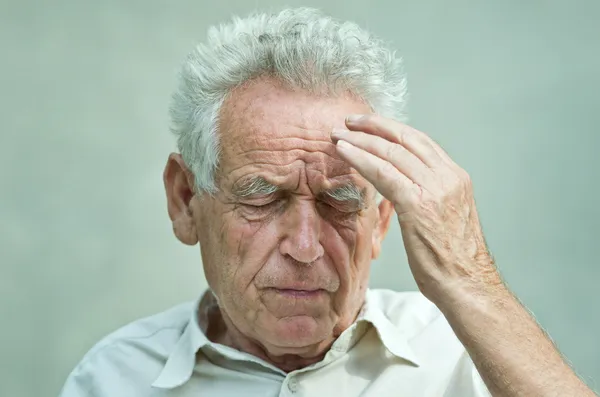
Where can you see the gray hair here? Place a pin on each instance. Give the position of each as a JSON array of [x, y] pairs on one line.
[[302, 48]]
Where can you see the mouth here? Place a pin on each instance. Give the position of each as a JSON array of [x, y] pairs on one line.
[[299, 293]]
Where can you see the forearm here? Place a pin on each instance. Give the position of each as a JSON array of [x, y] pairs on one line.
[[511, 352]]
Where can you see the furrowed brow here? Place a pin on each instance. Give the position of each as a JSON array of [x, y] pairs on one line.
[[254, 186]]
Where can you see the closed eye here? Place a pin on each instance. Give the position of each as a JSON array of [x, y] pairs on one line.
[[340, 208], [344, 206], [264, 205]]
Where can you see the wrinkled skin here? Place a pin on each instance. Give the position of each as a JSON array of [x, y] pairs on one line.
[[290, 269]]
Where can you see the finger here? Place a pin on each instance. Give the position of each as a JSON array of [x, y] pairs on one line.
[[406, 162], [414, 140], [386, 178]]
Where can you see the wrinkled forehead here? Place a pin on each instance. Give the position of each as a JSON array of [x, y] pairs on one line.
[[267, 128], [263, 109]]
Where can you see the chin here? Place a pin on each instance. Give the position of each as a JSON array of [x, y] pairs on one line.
[[298, 332]]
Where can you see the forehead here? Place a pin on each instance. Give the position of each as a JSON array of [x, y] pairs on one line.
[[283, 135]]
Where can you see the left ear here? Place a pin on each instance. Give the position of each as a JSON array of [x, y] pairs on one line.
[[386, 209]]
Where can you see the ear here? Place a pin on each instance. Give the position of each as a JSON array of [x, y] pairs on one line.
[[386, 209], [179, 186]]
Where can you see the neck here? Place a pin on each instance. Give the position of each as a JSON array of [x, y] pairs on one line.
[[220, 329], [287, 362], [223, 331]]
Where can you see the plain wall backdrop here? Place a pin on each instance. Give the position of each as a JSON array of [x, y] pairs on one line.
[[509, 88]]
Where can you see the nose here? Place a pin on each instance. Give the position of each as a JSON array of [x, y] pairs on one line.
[[302, 233]]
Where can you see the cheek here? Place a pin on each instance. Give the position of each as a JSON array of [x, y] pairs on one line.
[[364, 245], [350, 251], [340, 245], [248, 247]]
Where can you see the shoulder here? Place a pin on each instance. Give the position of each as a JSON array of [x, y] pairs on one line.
[[136, 351], [151, 333]]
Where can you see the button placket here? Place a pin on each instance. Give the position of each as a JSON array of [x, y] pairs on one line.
[[293, 384]]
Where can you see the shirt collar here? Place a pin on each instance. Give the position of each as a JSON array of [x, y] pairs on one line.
[[392, 337], [182, 359]]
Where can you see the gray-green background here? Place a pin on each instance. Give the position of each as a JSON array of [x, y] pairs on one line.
[[509, 88]]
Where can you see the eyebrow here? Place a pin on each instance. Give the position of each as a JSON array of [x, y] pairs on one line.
[[254, 186], [347, 192], [259, 186]]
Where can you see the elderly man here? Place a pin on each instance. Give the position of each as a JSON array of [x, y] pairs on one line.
[[292, 165]]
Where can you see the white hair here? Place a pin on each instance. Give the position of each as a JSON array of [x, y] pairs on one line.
[[303, 49]]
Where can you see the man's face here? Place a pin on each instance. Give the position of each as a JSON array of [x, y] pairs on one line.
[[288, 240]]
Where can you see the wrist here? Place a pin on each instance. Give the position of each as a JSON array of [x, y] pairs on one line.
[[478, 312], [484, 292]]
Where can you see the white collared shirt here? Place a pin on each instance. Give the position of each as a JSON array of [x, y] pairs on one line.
[[400, 345]]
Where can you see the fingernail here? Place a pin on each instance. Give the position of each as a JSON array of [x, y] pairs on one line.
[[353, 118]]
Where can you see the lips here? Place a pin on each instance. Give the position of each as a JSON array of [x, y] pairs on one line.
[[306, 286], [299, 293], [298, 288]]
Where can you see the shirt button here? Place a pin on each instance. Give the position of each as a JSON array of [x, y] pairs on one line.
[[293, 385]]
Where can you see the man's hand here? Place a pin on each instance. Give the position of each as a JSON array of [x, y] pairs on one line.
[[449, 259], [433, 198]]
